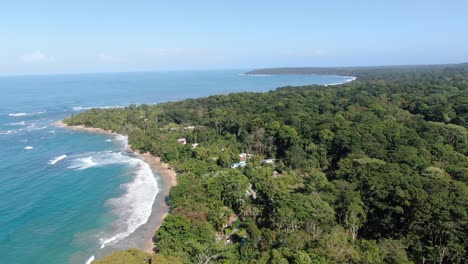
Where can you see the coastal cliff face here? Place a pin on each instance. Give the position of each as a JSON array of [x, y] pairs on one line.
[[373, 171]]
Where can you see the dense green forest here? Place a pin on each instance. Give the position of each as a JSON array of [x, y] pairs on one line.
[[373, 171]]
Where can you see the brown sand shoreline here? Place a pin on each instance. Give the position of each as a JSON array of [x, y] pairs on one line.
[[167, 174]]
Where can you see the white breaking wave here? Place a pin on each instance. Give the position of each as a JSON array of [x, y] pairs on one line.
[[18, 114], [108, 140], [28, 148], [22, 123], [9, 132], [34, 127], [133, 208], [57, 159], [25, 114], [80, 108], [91, 259], [99, 159], [123, 139], [83, 163], [348, 80], [332, 84]]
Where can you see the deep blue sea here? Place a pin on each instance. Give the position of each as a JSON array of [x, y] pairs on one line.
[[67, 195]]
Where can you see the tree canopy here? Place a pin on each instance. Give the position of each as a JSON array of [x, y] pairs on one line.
[[373, 171]]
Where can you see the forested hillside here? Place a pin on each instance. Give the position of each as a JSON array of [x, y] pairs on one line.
[[373, 171]]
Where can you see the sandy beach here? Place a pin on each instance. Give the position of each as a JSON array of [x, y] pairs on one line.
[[168, 175], [169, 178]]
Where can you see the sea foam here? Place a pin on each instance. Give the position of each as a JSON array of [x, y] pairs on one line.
[[83, 163], [123, 140], [34, 126], [134, 207], [22, 123], [99, 159], [91, 259], [57, 159], [25, 114], [81, 108], [347, 80], [8, 132], [350, 79]]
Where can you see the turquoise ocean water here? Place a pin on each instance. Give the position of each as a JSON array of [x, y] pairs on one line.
[[66, 195]]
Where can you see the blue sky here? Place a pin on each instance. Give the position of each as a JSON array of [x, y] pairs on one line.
[[40, 37]]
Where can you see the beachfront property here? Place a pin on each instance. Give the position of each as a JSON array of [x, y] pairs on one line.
[[243, 157], [238, 165], [268, 161], [182, 141]]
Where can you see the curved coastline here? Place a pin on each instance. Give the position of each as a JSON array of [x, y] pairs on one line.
[[168, 176], [348, 79]]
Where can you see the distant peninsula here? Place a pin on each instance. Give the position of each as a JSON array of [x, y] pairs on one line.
[[366, 72]]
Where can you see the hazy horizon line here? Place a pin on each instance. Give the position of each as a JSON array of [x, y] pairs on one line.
[[220, 69]]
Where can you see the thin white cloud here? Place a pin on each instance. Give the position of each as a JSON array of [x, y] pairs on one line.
[[36, 56], [105, 57]]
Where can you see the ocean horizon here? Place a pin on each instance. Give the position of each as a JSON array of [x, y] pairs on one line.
[[67, 196]]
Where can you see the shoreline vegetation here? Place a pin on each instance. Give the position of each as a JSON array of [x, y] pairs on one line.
[[168, 175], [361, 72], [371, 171]]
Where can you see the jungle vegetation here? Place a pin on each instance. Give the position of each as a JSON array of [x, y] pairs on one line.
[[372, 171]]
